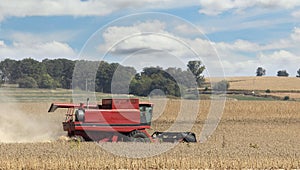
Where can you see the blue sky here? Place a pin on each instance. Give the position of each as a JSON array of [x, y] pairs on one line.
[[237, 35]]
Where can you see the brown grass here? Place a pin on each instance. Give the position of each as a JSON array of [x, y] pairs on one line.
[[251, 134]]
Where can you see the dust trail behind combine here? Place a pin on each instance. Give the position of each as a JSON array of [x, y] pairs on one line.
[[26, 122]]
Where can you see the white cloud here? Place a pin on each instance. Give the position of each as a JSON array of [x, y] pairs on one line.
[[296, 14], [280, 60], [153, 34], [18, 8], [237, 65], [296, 35], [61, 36], [132, 35], [240, 57], [215, 7], [184, 29], [38, 51], [54, 7], [37, 46], [2, 44], [116, 33], [240, 67], [238, 45], [290, 42], [281, 57], [161, 43], [203, 47], [277, 55]]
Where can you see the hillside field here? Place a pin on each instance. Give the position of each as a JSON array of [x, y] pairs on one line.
[[278, 87], [262, 83]]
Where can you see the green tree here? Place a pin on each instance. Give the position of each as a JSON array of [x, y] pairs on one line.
[[84, 75], [27, 82], [221, 86], [121, 79], [61, 70], [113, 77], [260, 71], [1, 77], [282, 73], [140, 85], [298, 73], [197, 69], [47, 82], [183, 78], [104, 76], [152, 78], [9, 71], [31, 68]]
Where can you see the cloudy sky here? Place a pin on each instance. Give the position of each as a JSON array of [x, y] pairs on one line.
[[237, 35]]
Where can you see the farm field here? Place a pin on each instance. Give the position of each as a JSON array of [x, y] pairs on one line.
[[251, 134], [14, 94], [254, 132], [278, 87], [264, 83]]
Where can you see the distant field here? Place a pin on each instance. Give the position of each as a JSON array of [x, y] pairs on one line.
[[27, 95], [264, 83], [279, 87], [14, 94], [291, 95]]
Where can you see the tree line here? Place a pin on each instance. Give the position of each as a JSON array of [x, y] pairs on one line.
[[100, 76], [29, 73], [280, 73]]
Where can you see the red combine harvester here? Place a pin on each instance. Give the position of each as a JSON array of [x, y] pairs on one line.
[[115, 120]]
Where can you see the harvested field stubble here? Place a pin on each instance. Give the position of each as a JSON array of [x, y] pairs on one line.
[[251, 134], [263, 83]]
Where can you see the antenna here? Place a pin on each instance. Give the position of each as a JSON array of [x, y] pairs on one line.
[[87, 103]]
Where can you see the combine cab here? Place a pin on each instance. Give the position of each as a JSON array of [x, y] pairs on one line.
[[115, 120]]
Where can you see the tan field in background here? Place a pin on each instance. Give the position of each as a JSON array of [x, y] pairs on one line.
[[251, 134], [262, 83]]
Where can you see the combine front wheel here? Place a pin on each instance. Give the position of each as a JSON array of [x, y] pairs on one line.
[[138, 136]]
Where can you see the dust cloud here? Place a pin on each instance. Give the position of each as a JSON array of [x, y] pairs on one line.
[[27, 122]]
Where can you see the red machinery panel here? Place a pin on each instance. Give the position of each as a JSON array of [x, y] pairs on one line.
[[120, 103], [123, 116]]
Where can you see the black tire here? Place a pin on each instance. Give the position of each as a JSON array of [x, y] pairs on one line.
[[190, 137], [138, 136]]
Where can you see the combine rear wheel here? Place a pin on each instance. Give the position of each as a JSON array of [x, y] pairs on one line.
[[77, 138], [138, 136]]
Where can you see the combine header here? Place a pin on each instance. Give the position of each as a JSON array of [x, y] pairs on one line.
[[115, 120]]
